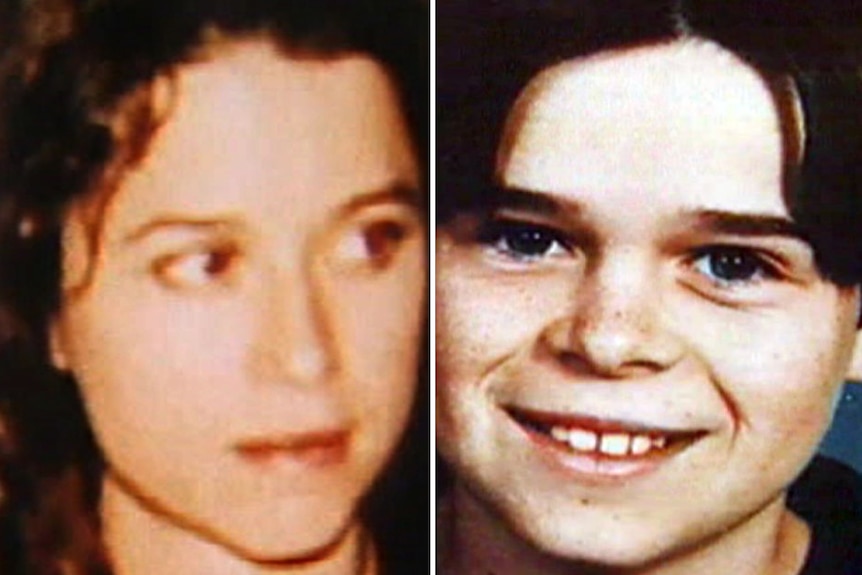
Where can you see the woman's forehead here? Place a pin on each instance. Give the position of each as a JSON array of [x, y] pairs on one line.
[[254, 128]]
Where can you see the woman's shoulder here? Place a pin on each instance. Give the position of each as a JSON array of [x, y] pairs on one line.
[[828, 495]]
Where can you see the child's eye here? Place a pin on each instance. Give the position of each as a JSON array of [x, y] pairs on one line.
[[524, 240], [196, 269], [731, 266]]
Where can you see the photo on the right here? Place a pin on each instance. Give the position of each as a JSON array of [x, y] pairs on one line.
[[647, 289]]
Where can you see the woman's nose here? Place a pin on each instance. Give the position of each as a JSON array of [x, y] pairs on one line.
[[295, 341], [614, 324]]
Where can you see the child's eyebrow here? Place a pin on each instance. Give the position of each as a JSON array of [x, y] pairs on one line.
[[743, 224], [717, 222], [540, 203]]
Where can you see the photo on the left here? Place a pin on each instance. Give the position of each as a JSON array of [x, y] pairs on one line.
[[214, 287]]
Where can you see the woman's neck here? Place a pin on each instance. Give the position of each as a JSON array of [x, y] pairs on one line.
[[141, 541]]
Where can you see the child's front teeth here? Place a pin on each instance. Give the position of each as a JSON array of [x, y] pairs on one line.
[[560, 433], [616, 444], [583, 440], [641, 444]]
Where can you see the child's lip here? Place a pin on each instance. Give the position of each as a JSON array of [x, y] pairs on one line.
[[545, 420], [601, 451]]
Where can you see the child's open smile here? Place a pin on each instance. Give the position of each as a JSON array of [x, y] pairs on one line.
[[637, 352]]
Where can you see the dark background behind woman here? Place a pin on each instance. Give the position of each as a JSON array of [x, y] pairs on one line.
[[50, 461]]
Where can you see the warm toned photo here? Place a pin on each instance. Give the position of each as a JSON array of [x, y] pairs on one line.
[[647, 286], [213, 264]]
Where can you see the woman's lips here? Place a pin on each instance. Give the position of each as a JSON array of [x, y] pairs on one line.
[[598, 448], [319, 448]]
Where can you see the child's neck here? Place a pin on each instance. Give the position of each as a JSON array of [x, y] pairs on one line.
[[141, 542], [473, 541]]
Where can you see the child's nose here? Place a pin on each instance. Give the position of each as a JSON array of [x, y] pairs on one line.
[[614, 327]]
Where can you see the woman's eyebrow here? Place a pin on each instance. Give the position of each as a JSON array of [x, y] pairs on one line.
[[172, 223], [397, 192]]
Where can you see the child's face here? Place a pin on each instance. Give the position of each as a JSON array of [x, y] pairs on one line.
[[635, 352], [247, 345]]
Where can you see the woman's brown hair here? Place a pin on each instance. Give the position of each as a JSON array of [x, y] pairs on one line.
[[71, 72]]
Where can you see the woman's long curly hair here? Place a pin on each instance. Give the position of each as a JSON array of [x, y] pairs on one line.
[[69, 70]]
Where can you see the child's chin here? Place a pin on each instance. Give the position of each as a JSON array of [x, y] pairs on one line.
[[618, 548]]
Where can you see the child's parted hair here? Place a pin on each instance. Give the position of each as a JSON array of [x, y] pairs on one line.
[[808, 54]]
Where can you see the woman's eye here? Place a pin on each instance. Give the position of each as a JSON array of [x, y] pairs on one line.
[[733, 265], [196, 269], [375, 244], [524, 241], [382, 240]]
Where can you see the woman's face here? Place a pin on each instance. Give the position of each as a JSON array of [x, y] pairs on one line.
[[247, 344]]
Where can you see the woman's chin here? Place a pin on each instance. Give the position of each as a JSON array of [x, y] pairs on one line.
[[285, 537]]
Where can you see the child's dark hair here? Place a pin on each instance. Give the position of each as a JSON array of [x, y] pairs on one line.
[[808, 54]]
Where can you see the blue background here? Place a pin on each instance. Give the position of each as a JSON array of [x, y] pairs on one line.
[[843, 440]]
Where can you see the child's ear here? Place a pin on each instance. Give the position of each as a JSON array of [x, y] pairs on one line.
[[57, 343]]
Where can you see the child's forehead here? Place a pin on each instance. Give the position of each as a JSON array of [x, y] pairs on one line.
[[685, 124], [697, 79]]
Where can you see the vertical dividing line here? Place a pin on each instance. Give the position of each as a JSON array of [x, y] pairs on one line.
[[432, 276]]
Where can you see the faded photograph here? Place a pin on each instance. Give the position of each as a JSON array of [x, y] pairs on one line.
[[213, 261], [649, 253]]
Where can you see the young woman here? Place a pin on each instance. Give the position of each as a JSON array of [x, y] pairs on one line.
[[214, 257]]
